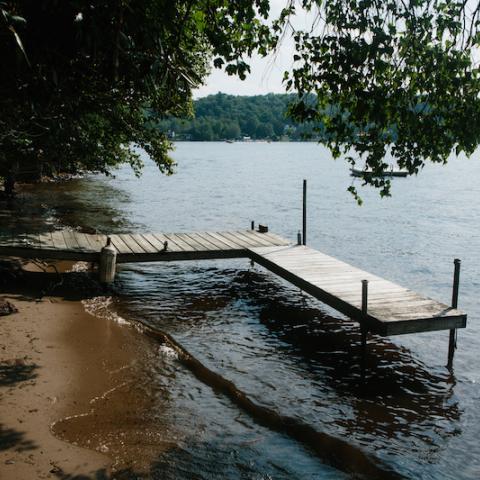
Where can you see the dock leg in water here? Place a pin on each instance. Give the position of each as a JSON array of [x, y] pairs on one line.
[[108, 263], [363, 361], [452, 343], [363, 328], [304, 214]]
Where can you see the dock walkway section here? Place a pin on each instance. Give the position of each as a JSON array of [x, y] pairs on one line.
[[138, 247], [391, 309]]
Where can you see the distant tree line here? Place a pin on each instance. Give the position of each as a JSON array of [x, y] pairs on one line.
[[230, 117]]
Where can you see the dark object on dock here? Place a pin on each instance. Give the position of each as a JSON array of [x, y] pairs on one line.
[[354, 172], [263, 229], [7, 308]]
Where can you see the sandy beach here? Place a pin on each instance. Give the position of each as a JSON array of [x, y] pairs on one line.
[[68, 381]]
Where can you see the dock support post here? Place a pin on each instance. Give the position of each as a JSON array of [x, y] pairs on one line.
[[452, 343], [363, 327], [304, 222], [108, 263], [252, 226]]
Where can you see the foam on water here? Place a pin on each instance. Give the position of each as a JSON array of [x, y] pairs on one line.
[[101, 307]]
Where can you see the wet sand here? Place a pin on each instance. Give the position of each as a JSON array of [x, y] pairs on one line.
[[68, 375]]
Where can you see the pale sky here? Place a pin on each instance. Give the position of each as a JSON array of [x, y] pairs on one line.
[[266, 77], [266, 73]]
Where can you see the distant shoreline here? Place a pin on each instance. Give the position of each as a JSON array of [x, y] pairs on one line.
[[245, 141]]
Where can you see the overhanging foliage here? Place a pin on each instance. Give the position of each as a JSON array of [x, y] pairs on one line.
[[397, 76], [78, 75]]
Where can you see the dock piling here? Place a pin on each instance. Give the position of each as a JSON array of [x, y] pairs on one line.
[[452, 343], [304, 222], [364, 297], [363, 327], [108, 262], [299, 238], [252, 226]]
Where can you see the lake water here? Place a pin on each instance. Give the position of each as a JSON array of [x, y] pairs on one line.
[[285, 350]]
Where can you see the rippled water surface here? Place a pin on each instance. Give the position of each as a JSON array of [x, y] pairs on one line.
[[288, 353]]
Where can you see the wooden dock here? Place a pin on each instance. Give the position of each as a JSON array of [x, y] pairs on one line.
[[391, 310], [380, 306]]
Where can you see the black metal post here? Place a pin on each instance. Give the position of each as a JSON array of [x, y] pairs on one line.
[[252, 225], [299, 238], [364, 297], [304, 223], [452, 343], [363, 327]]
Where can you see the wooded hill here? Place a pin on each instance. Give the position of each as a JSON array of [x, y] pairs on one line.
[[230, 117]]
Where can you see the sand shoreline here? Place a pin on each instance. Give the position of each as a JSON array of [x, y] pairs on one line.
[[61, 370]]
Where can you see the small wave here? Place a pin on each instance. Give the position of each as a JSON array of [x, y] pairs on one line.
[[101, 307], [80, 267], [166, 351]]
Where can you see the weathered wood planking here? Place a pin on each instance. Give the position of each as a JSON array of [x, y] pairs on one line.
[[146, 247], [392, 310]]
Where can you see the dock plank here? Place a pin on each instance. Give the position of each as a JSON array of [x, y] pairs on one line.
[[233, 245], [144, 244], [256, 237], [203, 241], [275, 238], [97, 242], [45, 241], [59, 240], [156, 244], [120, 245], [250, 239], [70, 240], [241, 242], [82, 241], [194, 244], [131, 243], [176, 239], [215, 241]]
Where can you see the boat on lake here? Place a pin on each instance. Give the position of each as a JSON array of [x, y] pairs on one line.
[[386, 173]]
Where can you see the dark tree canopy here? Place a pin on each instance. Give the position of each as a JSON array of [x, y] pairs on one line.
[[78, 76]]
